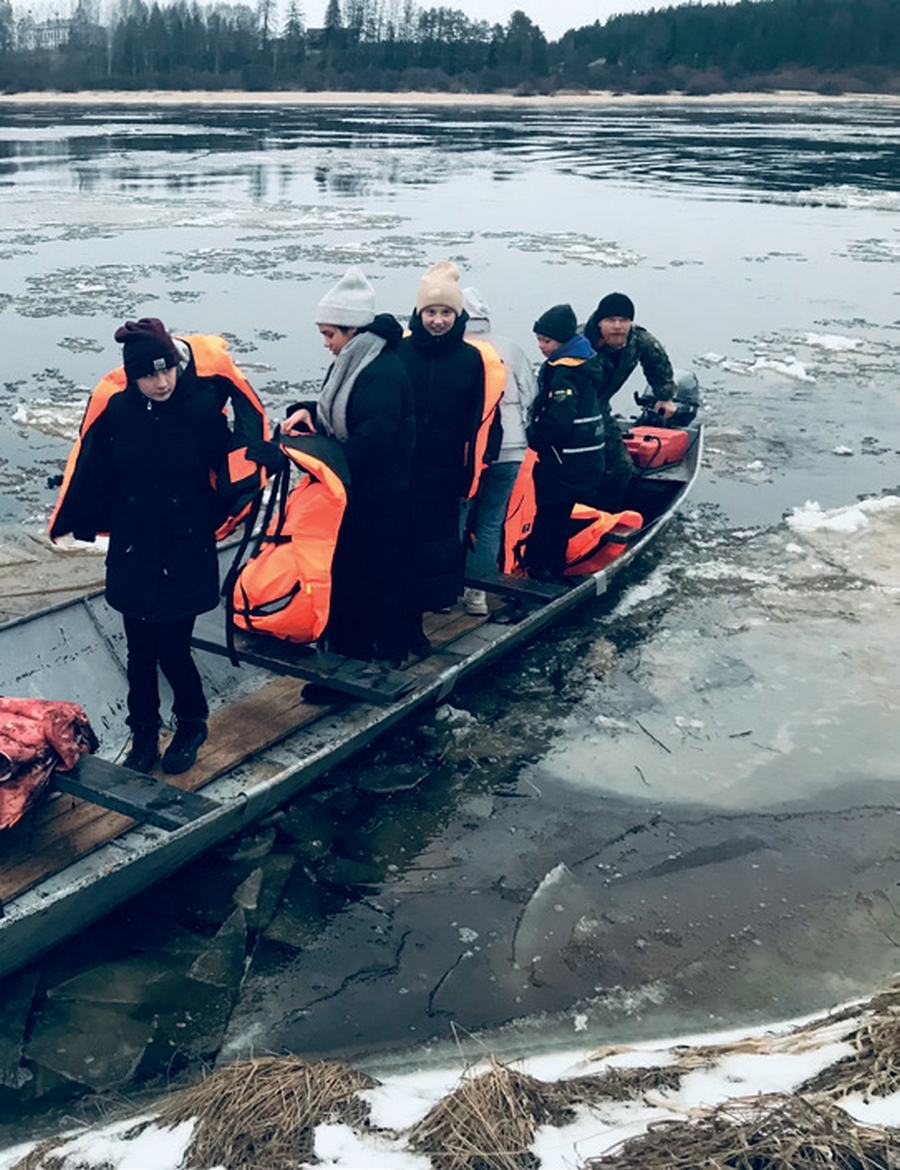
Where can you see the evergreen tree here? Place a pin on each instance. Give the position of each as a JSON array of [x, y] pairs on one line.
[[294, 36], [7, 27]]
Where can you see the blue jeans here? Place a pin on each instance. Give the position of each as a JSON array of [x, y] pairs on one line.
[[490, 505]]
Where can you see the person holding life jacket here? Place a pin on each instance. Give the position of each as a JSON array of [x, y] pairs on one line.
[[154, 442], [620, 346], [505, 446], [567, 432], [366, 403], [448, 380]]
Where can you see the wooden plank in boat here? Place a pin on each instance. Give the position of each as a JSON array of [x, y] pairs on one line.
[[136, 795], [522, 588], [65, 840], [362, 680], [443, 628]]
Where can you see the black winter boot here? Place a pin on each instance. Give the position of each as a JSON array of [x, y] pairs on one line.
[[182, 751], [144, 753]]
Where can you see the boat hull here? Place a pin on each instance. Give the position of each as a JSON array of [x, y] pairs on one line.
[[88, 667]]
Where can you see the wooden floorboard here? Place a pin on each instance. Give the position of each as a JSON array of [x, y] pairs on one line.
[[51, 855], [31, 838]]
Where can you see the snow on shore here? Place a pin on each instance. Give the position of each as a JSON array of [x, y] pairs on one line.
[[714, 1069]]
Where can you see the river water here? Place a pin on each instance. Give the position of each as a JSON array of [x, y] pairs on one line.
[[678, 810]]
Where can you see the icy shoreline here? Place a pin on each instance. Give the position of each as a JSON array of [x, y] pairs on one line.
[[808, 1071], [564, 98]]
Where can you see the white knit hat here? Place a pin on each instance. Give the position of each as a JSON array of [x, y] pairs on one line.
[[475, 305], [351, 302], [440, 286]]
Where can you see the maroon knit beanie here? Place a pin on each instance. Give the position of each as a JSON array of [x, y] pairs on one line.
[[147, 347]]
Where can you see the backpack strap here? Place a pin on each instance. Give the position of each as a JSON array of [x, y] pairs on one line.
[[279, 491]]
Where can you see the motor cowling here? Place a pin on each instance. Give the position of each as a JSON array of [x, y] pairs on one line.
[[686, 399]]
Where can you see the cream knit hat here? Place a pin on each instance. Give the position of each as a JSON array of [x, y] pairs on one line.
[[351, 302], [440, 286]]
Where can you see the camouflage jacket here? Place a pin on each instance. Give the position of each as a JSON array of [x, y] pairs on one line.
[[616, 364]]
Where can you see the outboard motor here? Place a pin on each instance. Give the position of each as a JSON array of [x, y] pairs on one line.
[[687, 400]]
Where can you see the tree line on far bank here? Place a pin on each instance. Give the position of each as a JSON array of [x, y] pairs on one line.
[[829, 46]]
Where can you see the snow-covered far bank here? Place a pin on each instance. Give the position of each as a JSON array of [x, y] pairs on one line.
[[600, 97], [834, 1080]]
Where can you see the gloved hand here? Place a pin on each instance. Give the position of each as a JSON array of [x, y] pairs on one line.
[[267, 454]]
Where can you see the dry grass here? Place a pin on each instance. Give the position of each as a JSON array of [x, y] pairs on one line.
[[37, 1159], [873, 1069], [261, 1114], [774, 1132], [487, 1123], [619, 1084]]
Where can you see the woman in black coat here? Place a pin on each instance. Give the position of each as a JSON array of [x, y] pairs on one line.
[[447, 377], [143, 476], [366, 404]]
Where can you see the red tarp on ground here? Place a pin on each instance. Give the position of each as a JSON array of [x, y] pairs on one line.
[[37, 736]]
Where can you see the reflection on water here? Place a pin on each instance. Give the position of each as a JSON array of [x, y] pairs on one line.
[[749, 148]]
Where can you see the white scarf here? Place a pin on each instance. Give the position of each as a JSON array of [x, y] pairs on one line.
[[331, 407]]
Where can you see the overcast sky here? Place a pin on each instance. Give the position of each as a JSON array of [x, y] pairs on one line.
[[553, 16]]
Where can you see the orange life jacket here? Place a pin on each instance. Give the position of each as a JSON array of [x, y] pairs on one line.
[[584, 552], [494, 381], [248, 422], [284, 589]]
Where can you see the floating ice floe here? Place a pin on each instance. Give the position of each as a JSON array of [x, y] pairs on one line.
[[60, 420], [851, 518], [447, 712], [841, 450], [656, 585], [789, 368], [833, 342]]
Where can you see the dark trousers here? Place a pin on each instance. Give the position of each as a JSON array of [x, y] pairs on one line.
[[166, 645], [549, 537], [369, 579], [545, 548]]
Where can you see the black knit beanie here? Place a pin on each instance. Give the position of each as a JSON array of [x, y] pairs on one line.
[[615, 305], [147, 347], [559, 322]]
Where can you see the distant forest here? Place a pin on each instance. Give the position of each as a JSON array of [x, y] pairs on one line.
[[828, 46]]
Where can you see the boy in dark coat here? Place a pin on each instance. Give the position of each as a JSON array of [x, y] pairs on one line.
[[567, 432], [143, 476]]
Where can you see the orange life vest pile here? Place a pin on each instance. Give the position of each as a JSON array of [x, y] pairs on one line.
[[284, 589], [586, 551]]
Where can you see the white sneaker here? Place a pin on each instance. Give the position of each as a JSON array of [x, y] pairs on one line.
[[475, 602]]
